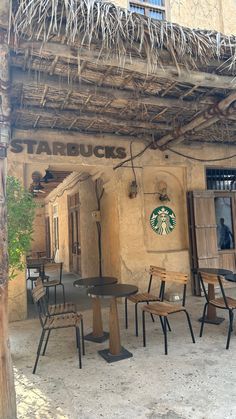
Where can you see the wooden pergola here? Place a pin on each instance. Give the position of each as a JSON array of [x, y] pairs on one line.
[[93, 68], [99, 69]]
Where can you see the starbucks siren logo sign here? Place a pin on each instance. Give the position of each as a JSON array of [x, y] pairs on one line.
[[163, 220]]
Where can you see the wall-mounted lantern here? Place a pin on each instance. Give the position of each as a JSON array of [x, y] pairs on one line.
[[133, 189], [161, 192]]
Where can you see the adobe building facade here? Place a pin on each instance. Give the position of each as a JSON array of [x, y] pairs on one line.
[[130, 237], [129, 243]]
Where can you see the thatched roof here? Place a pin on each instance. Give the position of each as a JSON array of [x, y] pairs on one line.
[[118, 31], [91, 66]]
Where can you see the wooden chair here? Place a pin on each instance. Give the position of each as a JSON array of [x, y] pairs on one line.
[[145, 297], [163, 309], [53, 269], [57, 309], [223, 302], [52, 322]]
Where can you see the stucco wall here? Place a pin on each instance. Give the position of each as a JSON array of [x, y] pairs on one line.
[[17, 301], [129, 243], [205, 14]]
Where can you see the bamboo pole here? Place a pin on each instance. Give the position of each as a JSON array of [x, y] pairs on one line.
[[7, 390], [136, 65], [207, 118]]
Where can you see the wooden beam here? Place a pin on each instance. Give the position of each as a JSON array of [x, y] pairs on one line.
[[120, 98], [58, 135], [69, 116], [180, 75], [4, 14], [7, 392], [206, 119]]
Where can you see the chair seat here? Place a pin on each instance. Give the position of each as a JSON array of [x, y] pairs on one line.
[[62, 308], [143, 297], [59, 322], [163, 308], [51, 283], [220, 302]]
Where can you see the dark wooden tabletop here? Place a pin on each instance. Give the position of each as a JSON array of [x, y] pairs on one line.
[[95, 281], [215, 271], [231, 277], [116, 290]]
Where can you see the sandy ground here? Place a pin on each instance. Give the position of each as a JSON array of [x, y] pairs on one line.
[[193, 381]]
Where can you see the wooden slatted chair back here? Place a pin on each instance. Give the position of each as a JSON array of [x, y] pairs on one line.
[[177, 278], [39, 297], [209, 278], [215, 280], [154, 271], [174, 277]]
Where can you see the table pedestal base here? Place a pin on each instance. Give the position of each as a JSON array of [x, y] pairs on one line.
[[105, 353], [216, 320], [98, 339]]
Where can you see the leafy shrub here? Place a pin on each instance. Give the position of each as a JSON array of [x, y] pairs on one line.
[[20, 215]]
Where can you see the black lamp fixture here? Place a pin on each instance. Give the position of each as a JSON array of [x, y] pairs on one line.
[[36, 186], [48, 176]]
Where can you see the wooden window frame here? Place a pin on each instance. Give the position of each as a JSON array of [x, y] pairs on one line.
[[232, 195], [149, 6]]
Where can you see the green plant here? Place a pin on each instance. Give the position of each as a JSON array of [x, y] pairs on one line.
[[20, 215]]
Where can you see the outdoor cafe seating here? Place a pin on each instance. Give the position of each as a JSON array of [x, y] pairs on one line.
[[51, 322], [65, 315], [163, 309], [49, 271], [144, 297], [223, 302]]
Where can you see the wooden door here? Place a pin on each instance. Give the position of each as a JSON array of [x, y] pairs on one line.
[[74, 231], [48, 237], [203, 234]]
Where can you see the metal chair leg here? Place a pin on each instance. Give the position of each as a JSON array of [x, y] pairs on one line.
[[203, 319], [144, 329], [126, 313], [46, 343], [230, 329], [39, 350], [165, 335], [63, 291], [232, 314], [136, 319], [152, 317], [190, 325], [82, 336], [78, 345], [162, 326], [168, 324]]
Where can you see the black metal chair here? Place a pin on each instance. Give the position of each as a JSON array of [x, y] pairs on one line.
[[223, 302], [56, 321], [49, 270], [145, 297], [163, 309]]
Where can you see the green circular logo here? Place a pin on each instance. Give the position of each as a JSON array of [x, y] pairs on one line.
[[163, 220]]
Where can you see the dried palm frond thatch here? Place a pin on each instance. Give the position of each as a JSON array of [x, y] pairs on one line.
[[116, 31]]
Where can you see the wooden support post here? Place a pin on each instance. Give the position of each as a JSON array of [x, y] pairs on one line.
[[7, 390]]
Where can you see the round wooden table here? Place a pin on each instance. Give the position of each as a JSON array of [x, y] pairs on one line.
[[211, 310], [115, 352], [98, 335]]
